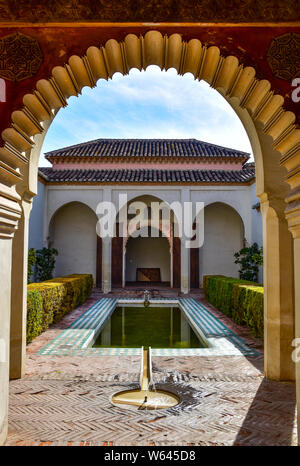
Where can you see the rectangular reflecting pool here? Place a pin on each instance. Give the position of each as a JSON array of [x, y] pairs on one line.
[[158, 327]]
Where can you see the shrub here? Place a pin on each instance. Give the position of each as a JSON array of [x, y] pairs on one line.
[[34, 315], [45, 263], [31, 263], [56, 297], [52, 295], [77, 288], [239, 299], [249, 259]]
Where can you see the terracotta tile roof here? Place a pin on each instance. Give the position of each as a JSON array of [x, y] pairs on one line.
[[148, 175], [147, 148]]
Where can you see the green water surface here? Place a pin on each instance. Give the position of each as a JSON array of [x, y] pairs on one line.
[[158, 327]]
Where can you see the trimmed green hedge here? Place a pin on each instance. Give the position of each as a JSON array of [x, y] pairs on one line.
[[241, 300], [51, 300], [34, 315]]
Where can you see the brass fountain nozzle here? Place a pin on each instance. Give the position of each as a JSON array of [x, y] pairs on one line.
[[146, 298]]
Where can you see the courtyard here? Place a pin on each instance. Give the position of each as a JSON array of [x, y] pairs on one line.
[[226, 400]]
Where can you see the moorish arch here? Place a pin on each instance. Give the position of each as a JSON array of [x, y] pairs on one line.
[[152, 253], [72, 232], [119, 255], [224, 235], [272, 132]]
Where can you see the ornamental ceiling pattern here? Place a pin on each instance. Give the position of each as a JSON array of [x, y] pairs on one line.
[[149, 11], [20, 57], [284, 56]]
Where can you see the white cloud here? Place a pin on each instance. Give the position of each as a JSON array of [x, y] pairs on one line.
[[151, 104]]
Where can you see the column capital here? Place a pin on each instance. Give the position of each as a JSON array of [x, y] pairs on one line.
[[10, 211], [291, 161]]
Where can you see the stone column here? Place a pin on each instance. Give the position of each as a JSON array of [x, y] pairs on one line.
[[297, 321], [106, 265], [9, 214], [279, 291], [19, 295], [185, 268], [293, 217], [185, 252], [106, 250]]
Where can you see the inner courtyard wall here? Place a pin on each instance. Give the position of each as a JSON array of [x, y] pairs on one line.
[[73, 234], [77, 244], [147, 253], [223, 236]]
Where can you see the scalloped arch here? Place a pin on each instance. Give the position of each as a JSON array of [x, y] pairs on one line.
[[224, 74]]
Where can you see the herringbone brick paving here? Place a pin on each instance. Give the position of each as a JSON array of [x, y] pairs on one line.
[[225, 401]]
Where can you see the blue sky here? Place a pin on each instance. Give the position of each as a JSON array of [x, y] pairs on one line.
[[147, 104]]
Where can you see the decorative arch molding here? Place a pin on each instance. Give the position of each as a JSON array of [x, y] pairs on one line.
[[62, 204], [225, 74], [168, 238], [236, 208]]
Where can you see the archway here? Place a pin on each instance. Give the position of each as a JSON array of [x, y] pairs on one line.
[[149, 241], [72, 231], [271, 130], [223, 236], [148, 260]]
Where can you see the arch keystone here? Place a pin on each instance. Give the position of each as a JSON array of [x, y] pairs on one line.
[[114, 57], [153, 49], [133, 52], [192, 57]]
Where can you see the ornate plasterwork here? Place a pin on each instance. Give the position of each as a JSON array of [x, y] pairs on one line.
[[20, 57], [284, 56], [149, 11], [226, 74]]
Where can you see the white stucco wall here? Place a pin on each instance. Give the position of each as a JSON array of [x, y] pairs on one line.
[[73, 234], [36, 220], [147, 252], [256, 226], [256, 219], [223, 236], [53, 197]]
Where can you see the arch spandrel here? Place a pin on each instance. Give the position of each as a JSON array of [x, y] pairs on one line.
[[231, 79]]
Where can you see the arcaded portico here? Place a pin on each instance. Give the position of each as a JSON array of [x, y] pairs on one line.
[[237, 68], [65, 209]]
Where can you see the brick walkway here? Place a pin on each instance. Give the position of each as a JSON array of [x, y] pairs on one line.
[[225, 400]]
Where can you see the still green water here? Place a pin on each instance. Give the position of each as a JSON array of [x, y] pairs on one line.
[[158, 327]]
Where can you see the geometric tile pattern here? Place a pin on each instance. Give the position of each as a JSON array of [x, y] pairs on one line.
[[202, 319], [77, 339]]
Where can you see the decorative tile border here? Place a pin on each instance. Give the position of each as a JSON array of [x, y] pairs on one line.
[[78, 338]]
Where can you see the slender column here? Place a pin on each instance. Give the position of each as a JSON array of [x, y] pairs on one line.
[[185, 268], [124, 265], [297, 321], [279, 291], [9, 214], [19, 295], [293, 217], [185, 252], [106, 265], [106, 252]]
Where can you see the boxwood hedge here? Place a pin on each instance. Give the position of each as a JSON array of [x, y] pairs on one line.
[[241, 300], [50, 300]]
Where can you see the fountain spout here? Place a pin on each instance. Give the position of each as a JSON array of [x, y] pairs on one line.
[[146, 298]]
